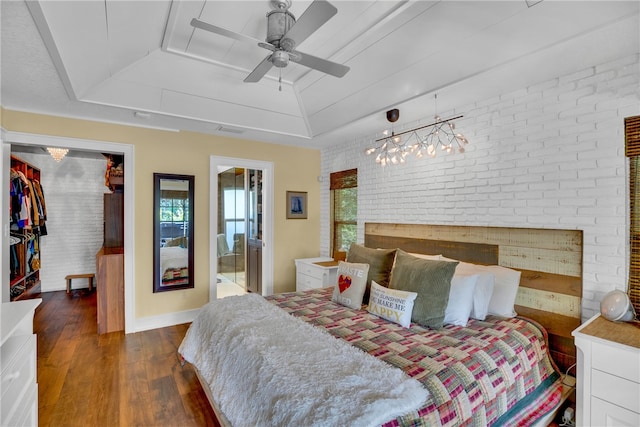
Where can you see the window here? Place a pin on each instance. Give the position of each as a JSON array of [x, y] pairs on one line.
[[174, 213], [632, 142], [344, 209]]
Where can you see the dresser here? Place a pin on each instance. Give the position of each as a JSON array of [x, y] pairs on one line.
[[313, 273], [608, 373], [18, 364]]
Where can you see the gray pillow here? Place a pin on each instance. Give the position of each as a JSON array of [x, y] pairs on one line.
[[431, 280], [380, 263]]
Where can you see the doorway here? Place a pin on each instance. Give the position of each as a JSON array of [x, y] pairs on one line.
[[36, 140], [241, 226]]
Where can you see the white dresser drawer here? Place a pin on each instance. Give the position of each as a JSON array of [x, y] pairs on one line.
[[26, 411], [605, 414], [622, 362], [304, 282], [19, 372], [614, 389]]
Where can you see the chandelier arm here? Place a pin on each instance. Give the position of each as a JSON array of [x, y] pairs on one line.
[[422, 127]]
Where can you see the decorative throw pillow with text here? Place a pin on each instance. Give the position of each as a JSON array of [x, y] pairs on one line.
[[391, 304], [352, 282]]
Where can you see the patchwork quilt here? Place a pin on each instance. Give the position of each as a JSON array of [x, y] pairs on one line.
[[497, 371]]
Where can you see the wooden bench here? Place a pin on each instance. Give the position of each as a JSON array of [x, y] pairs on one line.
[[88, 276]]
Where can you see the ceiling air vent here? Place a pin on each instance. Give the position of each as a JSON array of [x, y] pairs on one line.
[[230, 130]]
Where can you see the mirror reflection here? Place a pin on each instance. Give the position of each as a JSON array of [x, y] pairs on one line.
[[173, 232]]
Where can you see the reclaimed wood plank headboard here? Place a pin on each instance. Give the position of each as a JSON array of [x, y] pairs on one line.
[[550, 261]]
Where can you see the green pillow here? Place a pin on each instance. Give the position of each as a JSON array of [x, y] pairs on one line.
[[380, 263], [431, 280]]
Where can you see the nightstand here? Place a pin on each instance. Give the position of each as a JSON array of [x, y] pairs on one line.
[[18, 365], [313, 273], [608, 373]]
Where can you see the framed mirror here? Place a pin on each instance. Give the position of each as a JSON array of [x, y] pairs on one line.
[[172, 232]]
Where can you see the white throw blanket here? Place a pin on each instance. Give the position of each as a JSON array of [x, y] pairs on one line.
[[268, 368]]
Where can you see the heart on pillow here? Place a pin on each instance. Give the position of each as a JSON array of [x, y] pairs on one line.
[[344, 282]]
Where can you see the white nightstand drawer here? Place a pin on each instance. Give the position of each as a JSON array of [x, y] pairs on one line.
[[19, 373], [26, 411], [305, 282], [623, 362], [605, 414], [311, 270], [616, 390], [310, 275]]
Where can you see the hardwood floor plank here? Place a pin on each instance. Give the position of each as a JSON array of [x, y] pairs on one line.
[[111, 380]]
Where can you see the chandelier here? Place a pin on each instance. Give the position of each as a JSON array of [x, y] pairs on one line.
[[429, 139], [57, 153]]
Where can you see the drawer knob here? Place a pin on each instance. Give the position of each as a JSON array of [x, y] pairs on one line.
[[12, 377]]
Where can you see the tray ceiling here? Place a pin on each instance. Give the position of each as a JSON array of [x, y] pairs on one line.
[[105, 60]]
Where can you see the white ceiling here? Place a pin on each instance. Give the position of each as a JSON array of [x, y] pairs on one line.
[[105, 60]]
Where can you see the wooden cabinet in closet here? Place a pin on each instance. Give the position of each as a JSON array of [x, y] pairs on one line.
[[28, 214], [113, 220]]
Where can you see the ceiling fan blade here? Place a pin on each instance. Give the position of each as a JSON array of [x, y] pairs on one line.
[[259, 72], [319, 12], [333, 68], [267, 46], [223, 31]]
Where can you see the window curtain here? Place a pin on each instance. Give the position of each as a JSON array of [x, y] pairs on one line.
[[632, 150]]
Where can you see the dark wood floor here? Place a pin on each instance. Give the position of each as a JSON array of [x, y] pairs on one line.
[[86, 379]]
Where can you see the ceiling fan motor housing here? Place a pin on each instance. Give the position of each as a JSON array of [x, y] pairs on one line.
[[280, 58], [278, 23]]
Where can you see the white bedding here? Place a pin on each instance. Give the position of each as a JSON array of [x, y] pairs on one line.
[[265, 367], [173, 257]]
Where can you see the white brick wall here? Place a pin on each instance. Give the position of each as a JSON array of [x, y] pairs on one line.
[[73, 192], [550, 156]]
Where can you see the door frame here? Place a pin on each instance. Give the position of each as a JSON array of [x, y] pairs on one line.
[[9, 137], [267, 219]]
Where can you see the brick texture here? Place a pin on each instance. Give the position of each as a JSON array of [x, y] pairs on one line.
[[550, 156], [73, 192]]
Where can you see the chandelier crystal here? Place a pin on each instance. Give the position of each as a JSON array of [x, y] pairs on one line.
[[424, 140], [57, 153]]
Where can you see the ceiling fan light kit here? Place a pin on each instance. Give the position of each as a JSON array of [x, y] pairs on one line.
[[428, 139], [284, 33]]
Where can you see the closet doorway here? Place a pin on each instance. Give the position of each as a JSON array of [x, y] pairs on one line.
[[241, 224], [35, 142]]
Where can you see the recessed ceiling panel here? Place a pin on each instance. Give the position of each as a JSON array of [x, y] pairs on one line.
[[145, 55]]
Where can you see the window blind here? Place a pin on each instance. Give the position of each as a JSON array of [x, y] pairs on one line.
[[344, 179]]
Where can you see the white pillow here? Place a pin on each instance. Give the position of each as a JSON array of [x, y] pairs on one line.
[[391, 304], [504, 289], [482, 296], [460, 299]]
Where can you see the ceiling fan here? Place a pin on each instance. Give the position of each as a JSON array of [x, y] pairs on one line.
[[284, 33]]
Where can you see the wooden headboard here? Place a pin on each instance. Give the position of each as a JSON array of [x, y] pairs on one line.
[[550, 261]]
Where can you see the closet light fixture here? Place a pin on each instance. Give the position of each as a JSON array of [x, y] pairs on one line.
[[57, 153], [428, 139]]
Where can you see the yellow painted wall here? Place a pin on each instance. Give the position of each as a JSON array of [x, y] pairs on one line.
[[189, 153]]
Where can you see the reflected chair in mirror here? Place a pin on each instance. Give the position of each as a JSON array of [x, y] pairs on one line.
[[228, 260]]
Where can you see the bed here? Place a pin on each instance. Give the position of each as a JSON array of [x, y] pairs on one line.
[[496, 371]]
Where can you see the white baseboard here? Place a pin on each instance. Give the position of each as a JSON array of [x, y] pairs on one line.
[[164, 320]]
